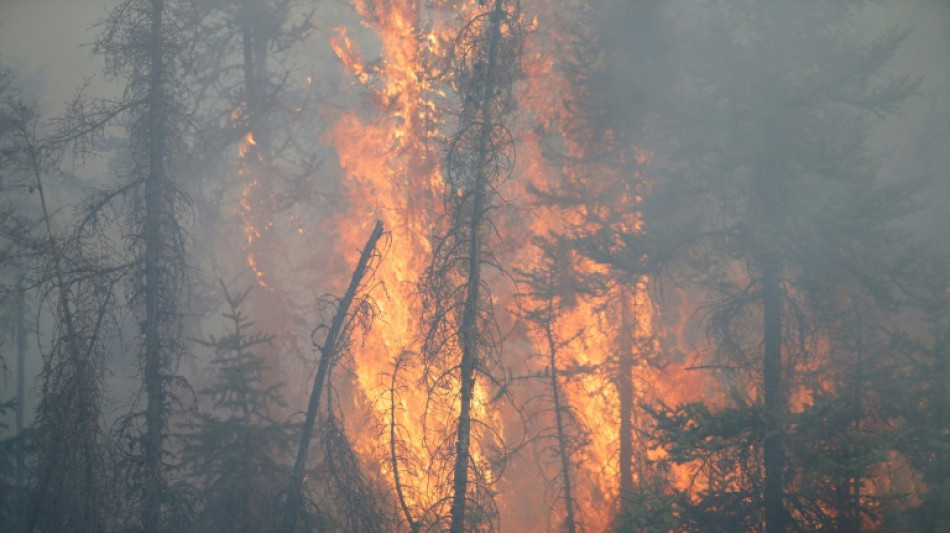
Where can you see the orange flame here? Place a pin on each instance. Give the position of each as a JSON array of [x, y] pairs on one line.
[[391, 167], [390, 158]]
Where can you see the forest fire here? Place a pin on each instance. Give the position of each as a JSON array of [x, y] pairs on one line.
[[392, 168], [479, 265], [249, 213], [251, 229]]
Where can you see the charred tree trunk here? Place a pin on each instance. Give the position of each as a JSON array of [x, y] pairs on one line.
[[253, 46], [769, 197], [848, 491], [774, 397], [328, 354], [563, 448], [468, 332], [394, 454], [469, 327], [459, 342], [625, 391]]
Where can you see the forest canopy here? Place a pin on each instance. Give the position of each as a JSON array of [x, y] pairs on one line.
[[494, 265]]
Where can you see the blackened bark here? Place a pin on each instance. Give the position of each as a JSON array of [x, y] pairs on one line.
[[625, 391], [394, 456], [774, 397], [562, 439], [328, 354], [254, 71], [468, 329]]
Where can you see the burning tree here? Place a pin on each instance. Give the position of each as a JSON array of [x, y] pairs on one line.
[[252, 110], [356, 499], [550, 290], [796, 245], [922, 400], [592, 101], [715, 149], [461, 340]]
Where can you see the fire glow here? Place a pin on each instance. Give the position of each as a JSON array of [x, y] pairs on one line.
[[390, 158]]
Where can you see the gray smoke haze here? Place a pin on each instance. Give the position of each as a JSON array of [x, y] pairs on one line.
[[46, 45]]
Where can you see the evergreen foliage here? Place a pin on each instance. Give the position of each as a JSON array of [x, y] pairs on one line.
[[721, 146], [795, 247], [12, 495], [923, 438], [236, 451]]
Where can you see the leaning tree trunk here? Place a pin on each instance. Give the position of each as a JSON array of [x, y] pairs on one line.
[[328, 354], [67, 420], [414, 526]]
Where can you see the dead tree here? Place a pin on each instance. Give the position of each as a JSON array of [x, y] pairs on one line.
[[398, 455], [158, 242], [148, 45], [357, 503], [251, 116], [69, 489], [543, 320], [461, 340], [548, 291], [485, 80], [329, 353], [248, 102]]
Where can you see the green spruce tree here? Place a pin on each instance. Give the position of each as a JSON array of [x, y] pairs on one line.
[[236, 450]]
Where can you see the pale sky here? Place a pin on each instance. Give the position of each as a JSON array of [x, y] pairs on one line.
[[42, 40]]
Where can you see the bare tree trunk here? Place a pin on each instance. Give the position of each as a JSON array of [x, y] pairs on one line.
[[77, 397], [857, 416], [254, 50], [155, 190], [20, 382], [468, 329], [774, 398], [327, 354], [394, 455], [562, 440], [625, 391], [848, 491]]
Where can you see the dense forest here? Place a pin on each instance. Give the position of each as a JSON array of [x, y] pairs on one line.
[[493, 265]]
